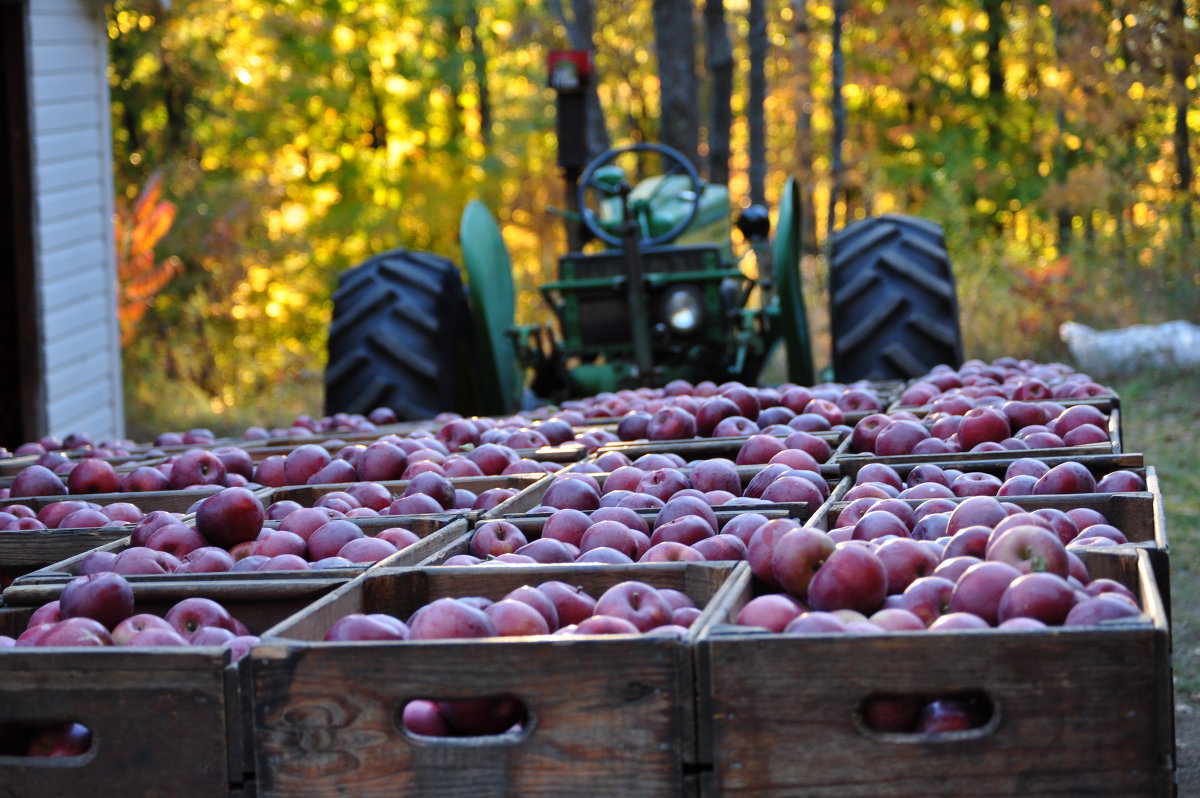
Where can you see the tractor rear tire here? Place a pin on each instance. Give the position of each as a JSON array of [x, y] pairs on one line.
[[892, 300], [400, 327]]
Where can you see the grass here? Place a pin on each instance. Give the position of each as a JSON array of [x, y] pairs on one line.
[[1160, 416]]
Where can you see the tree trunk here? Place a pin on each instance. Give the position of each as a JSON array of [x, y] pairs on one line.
[[479, 60], [1180, 63], [755, 120], [675, 44], [836, 164], [997, 28], [1062, 155], [719, 59], [802, 69]]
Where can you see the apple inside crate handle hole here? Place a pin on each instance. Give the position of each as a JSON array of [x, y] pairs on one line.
[[52, 742], [926, 717], [489, 719]]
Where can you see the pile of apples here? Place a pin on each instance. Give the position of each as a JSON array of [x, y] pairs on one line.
[[69, 514], [1012, 425], [75, 445], [389, 458], [1024, 476], [552, 607], [229, 535], [685, 529], [98, 610], [1006, 378], [653, 478], [931, 520], [890, 567]]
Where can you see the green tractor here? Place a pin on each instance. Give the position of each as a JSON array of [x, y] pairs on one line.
[[663, 296]]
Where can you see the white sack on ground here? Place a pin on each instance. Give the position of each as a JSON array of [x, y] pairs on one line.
[[1110, 353]]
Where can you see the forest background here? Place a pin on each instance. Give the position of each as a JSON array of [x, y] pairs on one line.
[[262, 147]]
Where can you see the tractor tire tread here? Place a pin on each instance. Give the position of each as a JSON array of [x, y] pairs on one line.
[[394, 340], [893, 301]]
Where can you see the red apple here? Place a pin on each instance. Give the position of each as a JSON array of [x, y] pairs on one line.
[[979, 589], [853, 577], [448, 618], [1030, 548], [928, 598], [106, 597], [636, 602], [230, 517], [1045, 597], [124, 631], [983, 424], [329, 538], [93, 476], [773, 611], [196, 467], [905, 561], [206, 560], [190, 614], [366, 626], [571, 603]]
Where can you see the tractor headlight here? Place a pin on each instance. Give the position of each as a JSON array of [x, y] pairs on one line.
[[683, 308]]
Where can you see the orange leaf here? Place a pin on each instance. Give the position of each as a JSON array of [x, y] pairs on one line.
[[150, 194]]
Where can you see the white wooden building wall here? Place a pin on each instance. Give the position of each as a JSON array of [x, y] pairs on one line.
[[73, 233]]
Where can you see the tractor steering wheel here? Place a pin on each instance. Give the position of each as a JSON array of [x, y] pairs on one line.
[[589, 182]]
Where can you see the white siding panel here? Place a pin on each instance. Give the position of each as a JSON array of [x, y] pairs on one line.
[[81, 343], [62, 27], [73, 288], [74, 374], [56, 88], [68, 115], [70, 231], [69, 57], [67, 174], [76, 143], [72, 149], [85, 410], [74, 7], [92, 313], [71, 202], [87, 253]]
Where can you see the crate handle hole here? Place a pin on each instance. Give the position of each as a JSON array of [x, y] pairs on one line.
[[927, 717], [502, 719], [49, 740]]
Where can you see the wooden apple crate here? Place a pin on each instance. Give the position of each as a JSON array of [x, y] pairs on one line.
[[24, 551], [700, 448], [610, 715], [165, 721], [1079, 711], [435, 534], [525, 502], [1140, 516]]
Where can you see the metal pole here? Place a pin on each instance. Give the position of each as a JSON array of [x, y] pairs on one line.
[[631, 233]]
